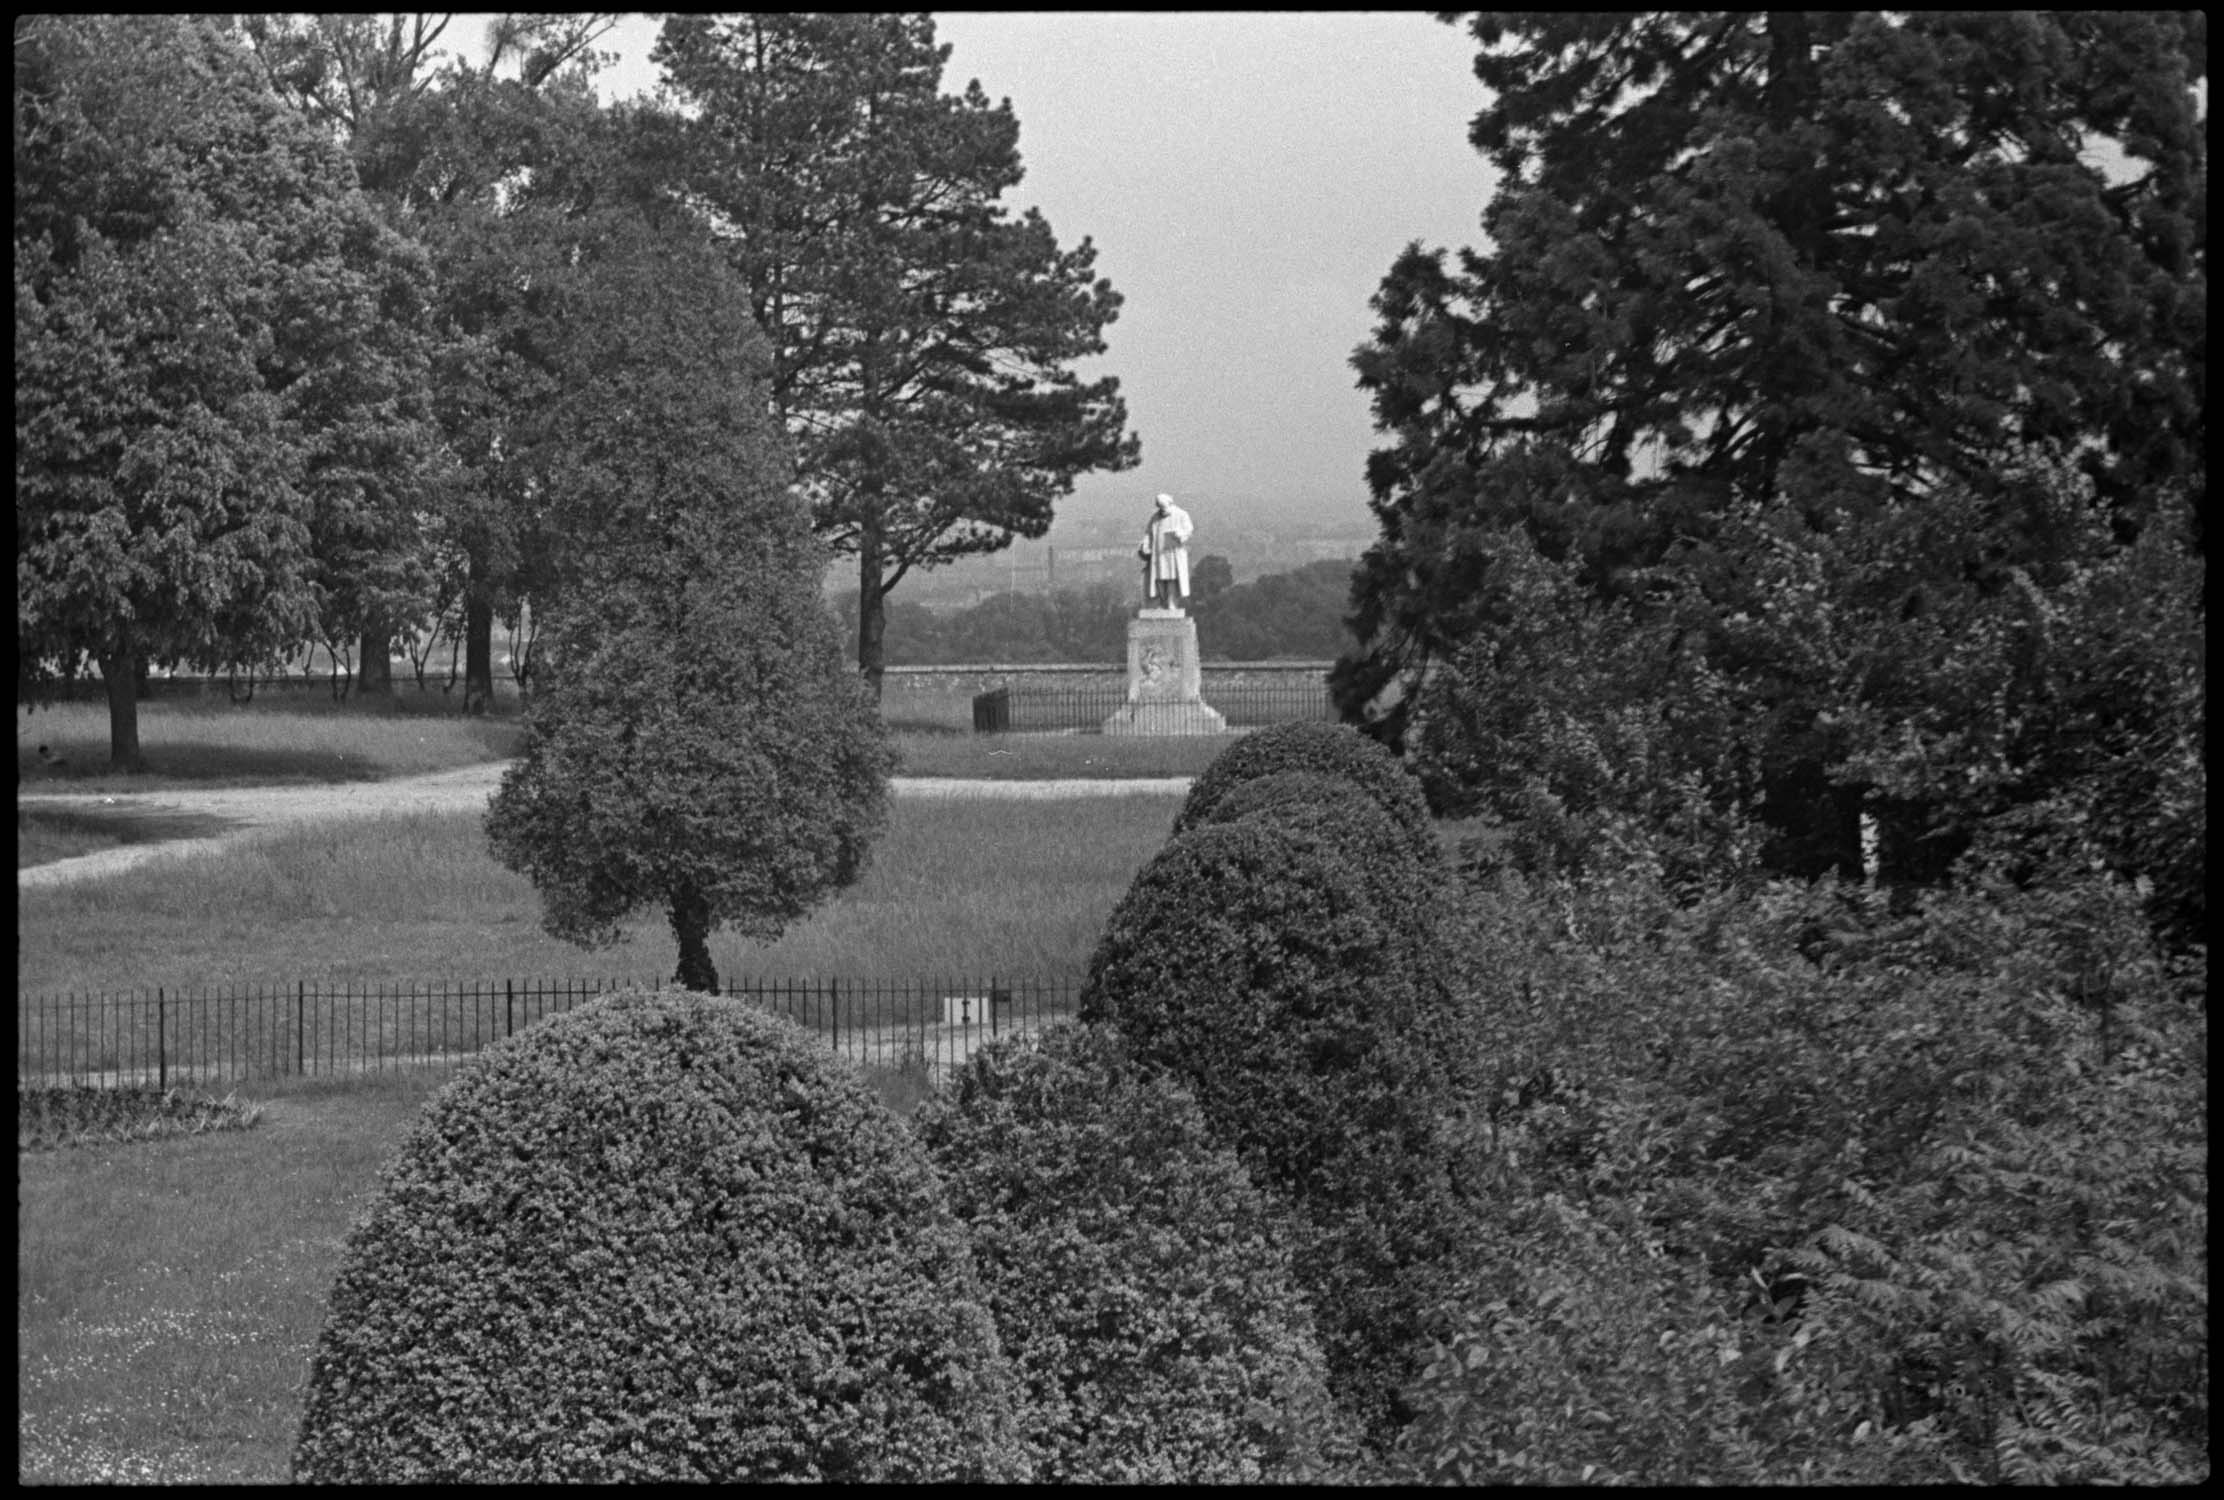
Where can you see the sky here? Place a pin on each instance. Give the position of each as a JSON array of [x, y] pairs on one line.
[[1247, 179]]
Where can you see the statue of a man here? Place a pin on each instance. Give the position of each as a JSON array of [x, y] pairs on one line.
[[1165, 554]]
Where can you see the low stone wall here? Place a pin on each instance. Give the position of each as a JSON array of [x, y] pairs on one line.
[[1074, 696], [965, 681]]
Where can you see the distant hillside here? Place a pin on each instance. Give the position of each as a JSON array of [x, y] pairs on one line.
[[1296, 615], [1079, 554]]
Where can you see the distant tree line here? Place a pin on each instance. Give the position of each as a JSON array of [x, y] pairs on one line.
[[1293, 616]]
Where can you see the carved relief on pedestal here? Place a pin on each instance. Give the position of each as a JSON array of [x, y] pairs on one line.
[[1156, 669]]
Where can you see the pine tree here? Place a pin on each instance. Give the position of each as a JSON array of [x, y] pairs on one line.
[[922, 338]]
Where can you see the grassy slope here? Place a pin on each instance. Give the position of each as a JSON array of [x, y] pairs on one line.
[[169, 1294], [958, 888], [300, 739]]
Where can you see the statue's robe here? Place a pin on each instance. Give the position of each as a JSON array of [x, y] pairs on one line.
[[1167, 540]]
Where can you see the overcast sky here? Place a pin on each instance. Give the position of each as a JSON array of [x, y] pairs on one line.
[[1247, 178]]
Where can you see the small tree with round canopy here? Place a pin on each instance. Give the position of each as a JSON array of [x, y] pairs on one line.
[[698, 742]]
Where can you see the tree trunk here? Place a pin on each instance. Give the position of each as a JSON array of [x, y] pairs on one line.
[[691, 925], [872, 612], [120, 675], [478, 653], [374, 677]]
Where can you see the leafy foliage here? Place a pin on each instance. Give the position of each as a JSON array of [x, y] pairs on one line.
[[464, 161], [658, 1238], [1248, 962], [220, 365], [699, 743], [1593, 738], [1352, 830], [1143, 1286], [1335, 749], [2034, 692], [922, 339], [1781, 273], [1297, 614], [1793, 1187]]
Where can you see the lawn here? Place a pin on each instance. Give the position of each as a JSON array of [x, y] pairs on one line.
[[1041, 757], [298, 737], [169, 1293], [301, 737], [959, 887]]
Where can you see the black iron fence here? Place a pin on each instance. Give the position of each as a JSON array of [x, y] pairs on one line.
[[212, 1038], [1246, 700]]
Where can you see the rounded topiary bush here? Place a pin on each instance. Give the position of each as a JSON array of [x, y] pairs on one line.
[[1354, 829], [662, 1237], [1141, 1284], [1249, 961], [1331, 749]]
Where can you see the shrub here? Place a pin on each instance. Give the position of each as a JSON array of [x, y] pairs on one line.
[[661, 1237], [1353, 830], [1248, 961], [1308, 745], [1141, 1284], [1934, 1185]]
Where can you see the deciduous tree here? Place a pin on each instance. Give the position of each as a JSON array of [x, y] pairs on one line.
[[459, 149], [215, 363], [922, 337]]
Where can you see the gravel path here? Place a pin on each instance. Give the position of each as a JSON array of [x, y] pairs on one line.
[[256, 811]]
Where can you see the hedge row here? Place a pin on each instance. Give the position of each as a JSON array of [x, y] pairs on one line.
[[1279, 959], [669, 1237]]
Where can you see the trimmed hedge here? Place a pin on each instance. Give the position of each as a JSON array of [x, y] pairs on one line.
[[1309, 745], [662, 1237], [1142, 1285], [1354, 829], [1248, 960]]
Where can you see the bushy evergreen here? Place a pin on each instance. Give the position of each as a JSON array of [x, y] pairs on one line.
[[1335, 749], [663, 1237], [1250, 962], [1347, 823], [1142, 1285]]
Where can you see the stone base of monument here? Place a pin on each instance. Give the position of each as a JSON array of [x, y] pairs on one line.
[[1165, 683]]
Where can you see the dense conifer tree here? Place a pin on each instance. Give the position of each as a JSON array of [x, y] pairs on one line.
[[697, 743], [1756, 277], [922, 338]]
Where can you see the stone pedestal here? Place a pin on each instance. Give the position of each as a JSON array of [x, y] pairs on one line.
[[1165, 684]]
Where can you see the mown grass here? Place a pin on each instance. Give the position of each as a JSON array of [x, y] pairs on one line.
[[304, 739], [963, 888], [211, 742], [1045, 757], [169, 1293], [46, 834]]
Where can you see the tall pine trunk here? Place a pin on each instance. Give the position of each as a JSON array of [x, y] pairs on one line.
[[120, 676], [691, 925], [872, 611]]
